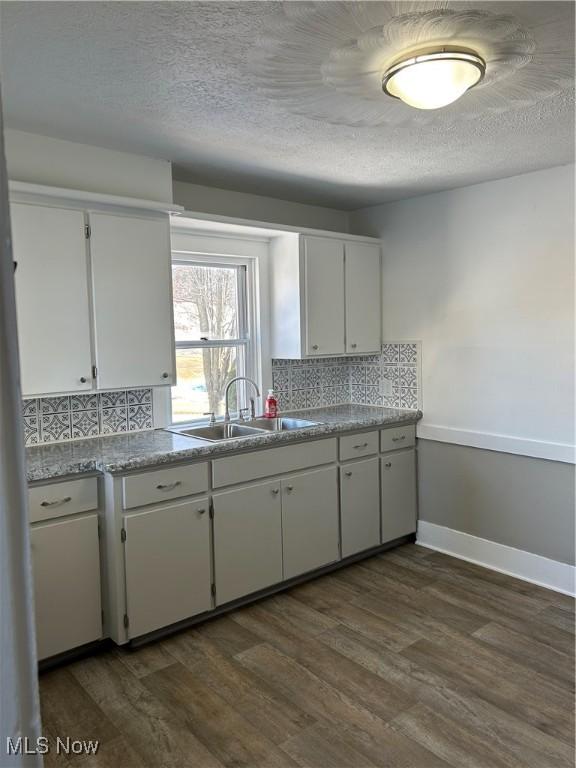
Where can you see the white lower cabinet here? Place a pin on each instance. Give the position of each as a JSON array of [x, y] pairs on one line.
[[310, 531], [360, 506], [167, 561], [398, 494], [247, 540], [66, 567]]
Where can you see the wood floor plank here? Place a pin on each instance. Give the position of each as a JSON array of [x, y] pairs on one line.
[[276, 716], [366, 731], [409, 659], [447, 739], [149, 727], [530, 653], [508, 686], [67, 710], [224, 732], [351, 679], [324, 746], [457, 700]]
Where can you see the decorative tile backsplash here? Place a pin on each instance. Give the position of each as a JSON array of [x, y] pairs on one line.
[[390, 379], [53, 419]]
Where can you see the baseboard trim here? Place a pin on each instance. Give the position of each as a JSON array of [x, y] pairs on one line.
[[527, 566], [536, 449]]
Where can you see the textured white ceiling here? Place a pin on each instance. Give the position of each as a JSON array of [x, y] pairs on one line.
[[185, 81]]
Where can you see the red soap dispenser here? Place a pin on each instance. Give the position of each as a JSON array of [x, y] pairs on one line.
[[271, 408]]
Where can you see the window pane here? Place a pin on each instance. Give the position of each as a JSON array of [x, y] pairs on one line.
[[205, 302], [201, 379]]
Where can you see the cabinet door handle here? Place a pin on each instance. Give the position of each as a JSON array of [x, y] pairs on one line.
[[388, 464], [398, 439], [168, 486], [353, 346], [275, 491], [165, 375], [314, 346], [201, 511], [348, 474], [56, 503], [82, 379], [361, 445], [289, 488]]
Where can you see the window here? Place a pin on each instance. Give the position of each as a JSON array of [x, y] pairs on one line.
[[212, 332]]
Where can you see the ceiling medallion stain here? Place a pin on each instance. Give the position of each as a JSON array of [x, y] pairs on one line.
[[326, 60]]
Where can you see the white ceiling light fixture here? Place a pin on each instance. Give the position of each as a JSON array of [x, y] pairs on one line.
[[433, 78]]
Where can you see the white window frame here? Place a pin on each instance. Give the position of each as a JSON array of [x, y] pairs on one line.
[[247, 322]]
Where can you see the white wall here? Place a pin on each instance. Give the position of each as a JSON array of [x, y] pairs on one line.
[[258, 207], [43, 160], [484, 277]]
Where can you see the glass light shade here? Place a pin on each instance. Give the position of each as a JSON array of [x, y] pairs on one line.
[[433, 80]]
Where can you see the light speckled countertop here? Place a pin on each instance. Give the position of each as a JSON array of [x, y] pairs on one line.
[[122, 453]]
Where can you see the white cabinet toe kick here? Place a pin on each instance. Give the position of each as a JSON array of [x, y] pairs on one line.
[[181, 543]]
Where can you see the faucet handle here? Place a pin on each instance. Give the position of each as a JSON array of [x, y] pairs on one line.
[[212, 417], [241, 413]]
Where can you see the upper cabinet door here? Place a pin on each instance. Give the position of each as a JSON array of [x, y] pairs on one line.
[[363, 298], [131, 277], [324, 288], [52, 299]]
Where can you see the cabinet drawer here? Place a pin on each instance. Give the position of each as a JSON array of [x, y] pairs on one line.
[[355, 446], [164, 484], [397, 437], [47, 502], [273, 461]]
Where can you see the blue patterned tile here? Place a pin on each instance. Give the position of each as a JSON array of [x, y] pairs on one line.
[[54, 405], [284, 400], [408, 398], [313, 398], [312, 377], [390, 353], [298, 399], [407, 376], [408, 353], [85, 423], [298, 377], [140, 417], [87, 402], [30, 407], [373, 396], [281, 379], [358, 393], [357, 374], [55, 427], [373, 375], [31, 430], [139, 396], [390, 373], [113, 420], [112, 399]]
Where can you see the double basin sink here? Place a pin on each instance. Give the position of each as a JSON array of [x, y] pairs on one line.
[[235, 429]]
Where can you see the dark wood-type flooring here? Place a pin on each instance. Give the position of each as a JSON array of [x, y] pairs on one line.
[[411, 659]]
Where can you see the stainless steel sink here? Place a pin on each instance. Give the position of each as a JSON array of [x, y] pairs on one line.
[[282, 424], [218, 431]]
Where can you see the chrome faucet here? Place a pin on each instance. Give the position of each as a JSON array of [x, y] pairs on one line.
[[252, 403]]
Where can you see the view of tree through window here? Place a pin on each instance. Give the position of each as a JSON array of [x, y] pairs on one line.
[[210, 338]]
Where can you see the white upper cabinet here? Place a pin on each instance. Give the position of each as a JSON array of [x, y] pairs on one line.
[[94, 296], [363, 303], [324, 290], [325, 296], [52, 299], [131, 276]]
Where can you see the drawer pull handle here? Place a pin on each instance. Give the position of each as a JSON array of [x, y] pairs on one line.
[[348, 474], [290, 488], [56, 503], [275, 491], [168, 486], [201, 511], [361, 445], [388, 464], [398, 439]]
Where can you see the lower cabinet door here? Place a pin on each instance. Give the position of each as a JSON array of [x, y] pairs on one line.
[[310, 531], [398, 485], [360, 506], [247, 540], [66, 566], [167, 560]]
